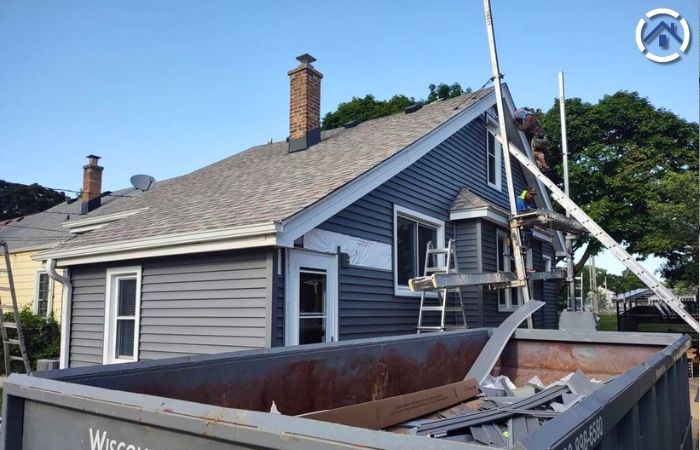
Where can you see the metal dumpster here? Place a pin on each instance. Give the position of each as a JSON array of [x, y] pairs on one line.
[[213, 402]]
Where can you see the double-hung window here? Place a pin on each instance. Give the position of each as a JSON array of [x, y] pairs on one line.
[[43, 294], [508, 299], [493, 161], [412, 232], [122, 314]]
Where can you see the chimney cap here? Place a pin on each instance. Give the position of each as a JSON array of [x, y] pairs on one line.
[[306, 58], [93, 157]]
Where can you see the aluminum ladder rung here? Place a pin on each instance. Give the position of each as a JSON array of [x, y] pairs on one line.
[[17, 325], [423, 283]]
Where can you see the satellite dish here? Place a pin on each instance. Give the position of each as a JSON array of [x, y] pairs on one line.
[[143, 182]]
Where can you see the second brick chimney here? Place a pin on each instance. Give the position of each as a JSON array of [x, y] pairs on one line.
[[304, 104], [92, 185]]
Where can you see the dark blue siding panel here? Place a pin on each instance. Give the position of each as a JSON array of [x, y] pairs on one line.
[[368, 306], [467, 243]]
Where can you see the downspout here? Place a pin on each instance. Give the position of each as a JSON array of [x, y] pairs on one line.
[[65, 309]]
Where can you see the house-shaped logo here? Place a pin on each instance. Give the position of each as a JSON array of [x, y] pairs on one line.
[[663, 40], [664, 31]]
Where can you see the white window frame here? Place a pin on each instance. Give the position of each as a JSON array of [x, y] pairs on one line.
[[49, 299], [400, 211], [547, 263], [497, 152], [111, 302], [506, 295]]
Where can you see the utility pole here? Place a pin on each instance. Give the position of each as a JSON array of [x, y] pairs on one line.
[[569, 237], [514, 230]]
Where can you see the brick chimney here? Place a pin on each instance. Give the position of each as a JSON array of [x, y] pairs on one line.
[[304, 104], [92, 185]]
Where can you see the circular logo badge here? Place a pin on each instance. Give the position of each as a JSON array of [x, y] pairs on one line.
[[663, 34]]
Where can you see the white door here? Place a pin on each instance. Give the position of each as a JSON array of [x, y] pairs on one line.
[[312, 298]]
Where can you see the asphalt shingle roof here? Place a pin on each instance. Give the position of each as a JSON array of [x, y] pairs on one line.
[[45, 229], [267, 183]]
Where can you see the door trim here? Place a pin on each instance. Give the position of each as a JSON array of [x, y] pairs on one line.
[[297, 259]]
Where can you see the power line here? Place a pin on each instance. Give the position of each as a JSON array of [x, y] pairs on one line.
[[31, 228], [101, 194]]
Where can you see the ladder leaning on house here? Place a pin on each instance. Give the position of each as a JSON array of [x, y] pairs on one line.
[[440, 260], [12, 337]]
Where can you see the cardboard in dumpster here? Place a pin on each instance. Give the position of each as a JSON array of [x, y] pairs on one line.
[[383, 413]]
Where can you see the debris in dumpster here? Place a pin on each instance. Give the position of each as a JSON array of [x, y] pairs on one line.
[[486, 360], [500, 422], [383, 413]]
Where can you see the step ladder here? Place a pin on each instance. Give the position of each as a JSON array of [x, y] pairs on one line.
[[12, 338], [608, 242], [440, 260]]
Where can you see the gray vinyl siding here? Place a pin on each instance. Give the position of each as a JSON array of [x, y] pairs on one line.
[[367, 304], [196, 304], [87, 316]]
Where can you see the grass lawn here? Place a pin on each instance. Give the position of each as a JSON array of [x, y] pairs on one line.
[[608, 322]]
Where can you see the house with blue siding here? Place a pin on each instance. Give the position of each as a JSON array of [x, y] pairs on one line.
[[308, 240]]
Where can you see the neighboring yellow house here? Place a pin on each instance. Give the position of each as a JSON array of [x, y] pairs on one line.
[[25, 237], [33, 286]]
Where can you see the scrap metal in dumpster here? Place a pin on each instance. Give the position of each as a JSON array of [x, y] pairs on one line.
[[223, 401]]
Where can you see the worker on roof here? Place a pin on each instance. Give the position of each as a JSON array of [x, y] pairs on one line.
[[526, 122], [526, 199]]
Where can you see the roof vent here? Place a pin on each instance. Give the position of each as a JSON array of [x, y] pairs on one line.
[[352, 123], [413, 108]]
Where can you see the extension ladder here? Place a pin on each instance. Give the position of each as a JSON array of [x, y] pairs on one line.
[[608, 242], [434, 258], [12, 337]]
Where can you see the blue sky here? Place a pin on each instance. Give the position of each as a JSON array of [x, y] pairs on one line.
[[166, 87]]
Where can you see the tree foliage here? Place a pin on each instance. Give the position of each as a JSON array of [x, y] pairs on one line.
[[18, 200], [368, 107], [634, 169], [42, 336]]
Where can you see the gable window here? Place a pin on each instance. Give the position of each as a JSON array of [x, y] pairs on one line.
[[412, 232], [43, 294], [122, 315], [493, 161], [508, 299]]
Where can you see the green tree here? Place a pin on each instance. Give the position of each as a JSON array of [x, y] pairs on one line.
[[630, 167], [368, 107], [443, 92], [18, 200]]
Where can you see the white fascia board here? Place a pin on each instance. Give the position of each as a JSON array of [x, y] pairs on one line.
[[93, 223], [558, 241], [331, 205], [259, 235], [485, 213]]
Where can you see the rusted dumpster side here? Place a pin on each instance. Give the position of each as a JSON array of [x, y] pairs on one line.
[[214, 402]]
